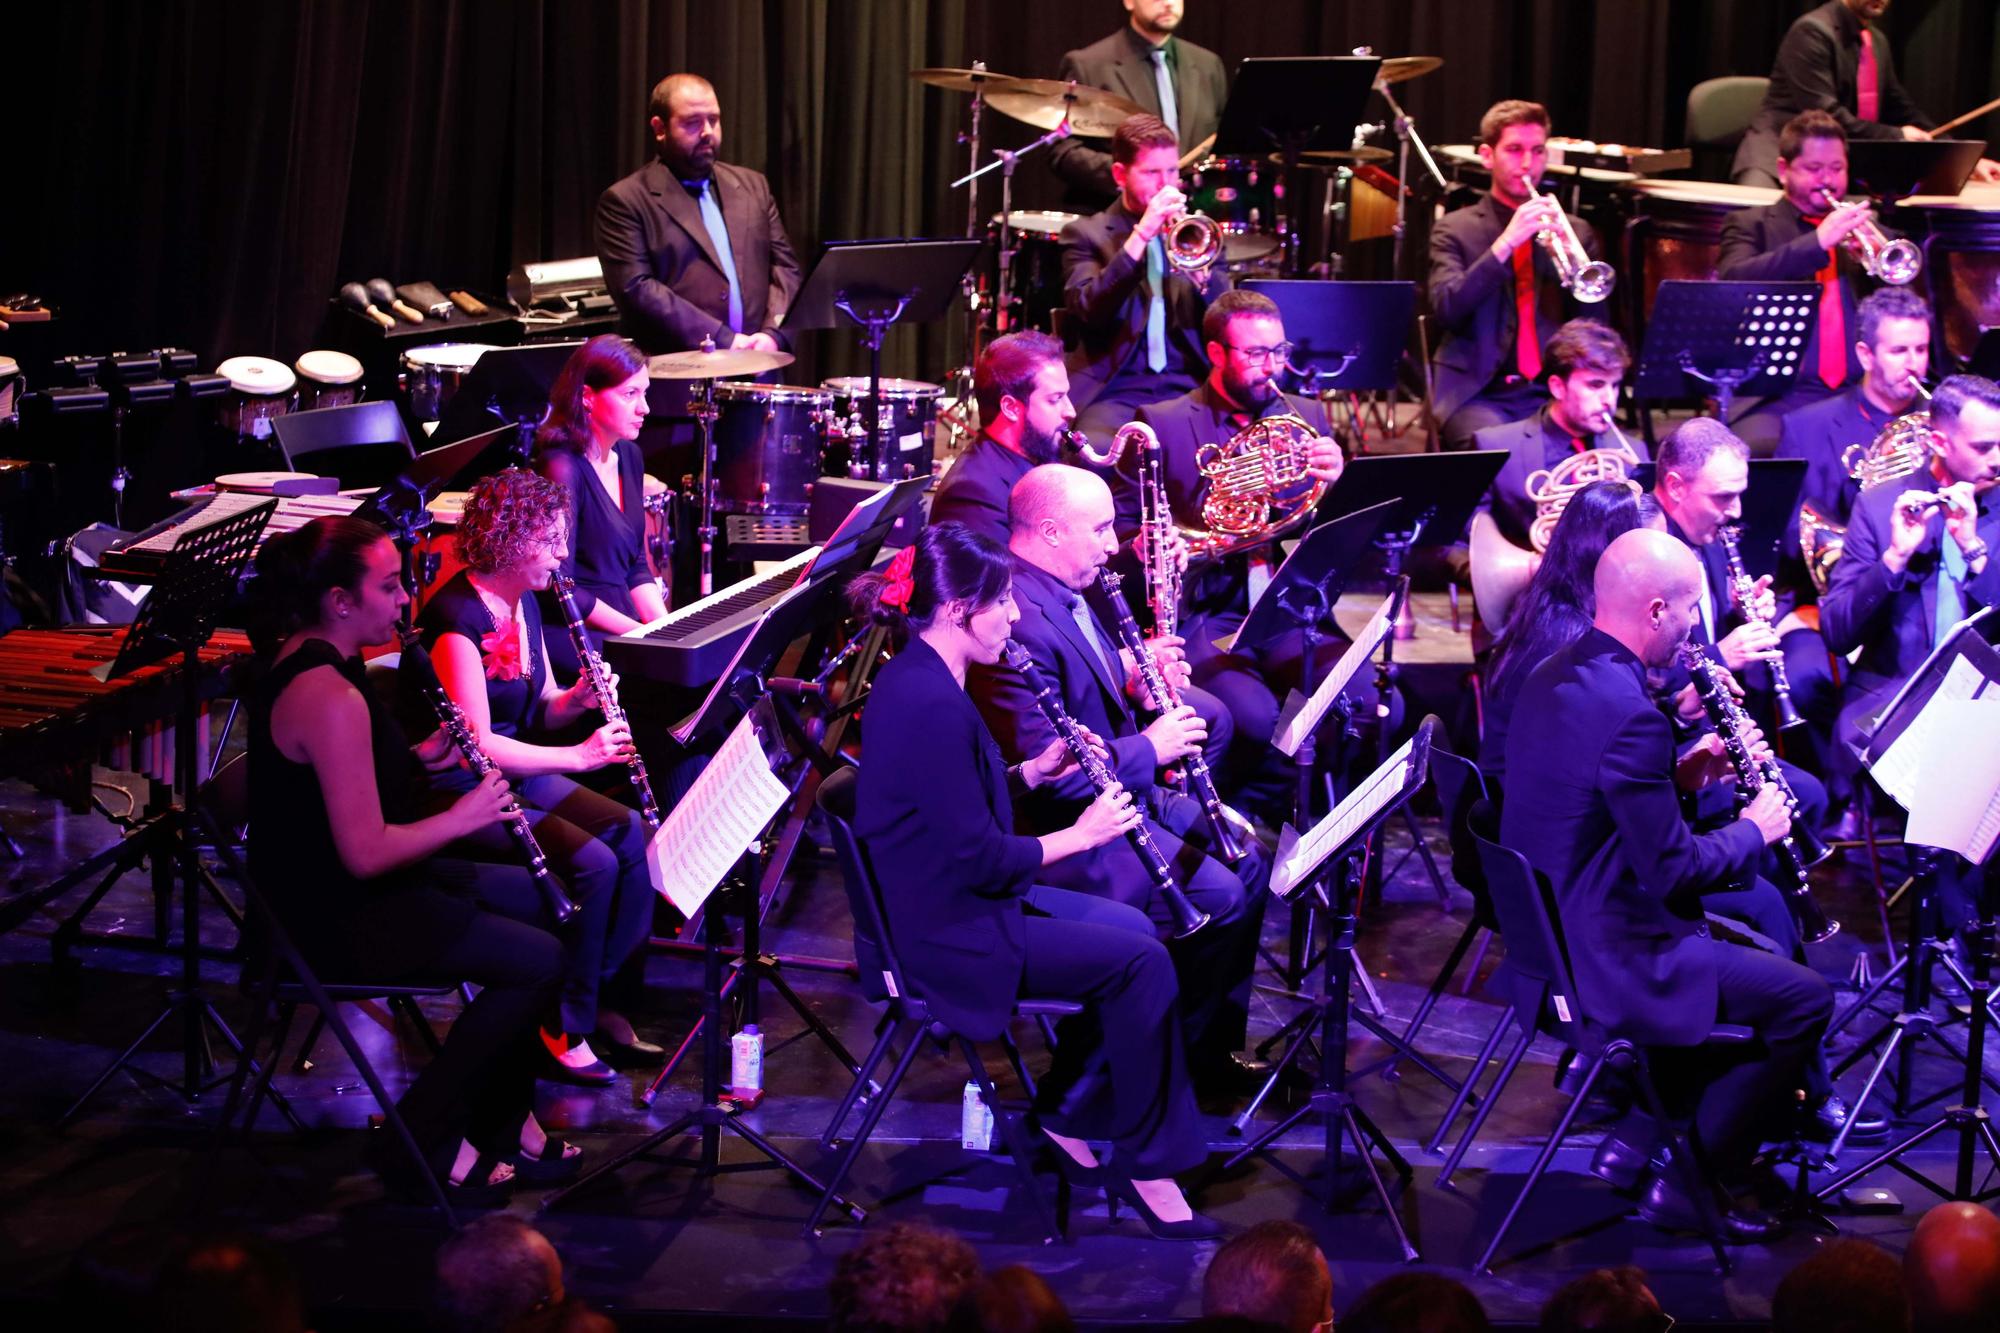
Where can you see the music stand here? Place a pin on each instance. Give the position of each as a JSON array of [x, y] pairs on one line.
[[1328, 860], [401, 506], [509, 386], [1347, 337], [1732, 337], [1985, 358], [1899, 168], [873, 284], [197, 584], [1770, 506], [1289, 104]]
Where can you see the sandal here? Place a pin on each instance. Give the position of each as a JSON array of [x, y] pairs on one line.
[[557, 1163]]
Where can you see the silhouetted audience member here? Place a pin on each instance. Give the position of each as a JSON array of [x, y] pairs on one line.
[[566, 1316], [1416, 1303], [228, 1284], [1849, 1286], [1609, 1300], [903, 1279], [1952, 1270], [1013, 1299], [494, 1272], [1272, 1274]]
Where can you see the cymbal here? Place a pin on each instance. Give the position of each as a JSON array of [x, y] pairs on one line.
[[961, 80], [1042, 103], [1334, 157], [1398, 69], [724, 363]]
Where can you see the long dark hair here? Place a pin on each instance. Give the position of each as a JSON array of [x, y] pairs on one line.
[[1560, 601], [294, 570], [601, 363], [949, 562]]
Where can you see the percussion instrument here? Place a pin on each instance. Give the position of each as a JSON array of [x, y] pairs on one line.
[[659, 532], [769, 442], [1036, 273], [1678, 227], [327, 379], [961, 80], [1400, 69], [433, 372], [720, 363], [1242, 194], [10, 387], [909, 426], [260, 390], [1045, 103], [1962, 244]]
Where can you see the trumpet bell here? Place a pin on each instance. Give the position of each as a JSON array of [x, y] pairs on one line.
[[1593, 282], [1194, 241], [1897, 263]]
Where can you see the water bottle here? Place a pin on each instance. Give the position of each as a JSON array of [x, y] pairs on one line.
[[746, 1062], [975, 1120]]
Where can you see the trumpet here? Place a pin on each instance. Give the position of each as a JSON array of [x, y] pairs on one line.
[[1588, 280], [1193, 241], [592, 663], [1896, 262]]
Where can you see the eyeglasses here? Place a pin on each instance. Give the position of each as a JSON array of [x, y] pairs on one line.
[[1281, 352]]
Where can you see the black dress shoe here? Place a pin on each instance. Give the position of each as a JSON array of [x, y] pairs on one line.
[[1823, 1122], [1618, 1162], [1665, 1206]]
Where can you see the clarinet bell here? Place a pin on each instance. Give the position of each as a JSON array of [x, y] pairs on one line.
[[1788, 716]]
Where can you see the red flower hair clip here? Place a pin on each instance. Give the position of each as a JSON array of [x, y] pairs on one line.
[[500, 653], [899, 583]]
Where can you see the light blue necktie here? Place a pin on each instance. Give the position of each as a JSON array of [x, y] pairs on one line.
[[1156, 308], [718, 232], [1163, 79], [1950, 589]]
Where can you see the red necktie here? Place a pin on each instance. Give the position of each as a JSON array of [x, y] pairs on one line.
[[1832, 317], [1576, 444], [1868, 93], [1527, 340]]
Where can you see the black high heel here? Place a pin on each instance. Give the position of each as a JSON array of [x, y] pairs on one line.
[[1196, 1227]]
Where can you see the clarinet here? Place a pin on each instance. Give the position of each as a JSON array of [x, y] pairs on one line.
[[1800, 849], [1229, 827], [607, 697], [1187, 917], [417, 660], [1741, 584]]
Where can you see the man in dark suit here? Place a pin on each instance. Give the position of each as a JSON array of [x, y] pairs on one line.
[[692, 248], [1629, 875], [1146, 64], [1062, 534], [1486, 269], [1134, 317], [1024, 403]]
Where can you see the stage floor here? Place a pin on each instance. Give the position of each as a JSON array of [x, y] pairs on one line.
[[84, 1212]]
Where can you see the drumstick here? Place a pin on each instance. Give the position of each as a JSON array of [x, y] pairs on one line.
[[1197, 153], [382, 293], [357, 296], [1973, 114]]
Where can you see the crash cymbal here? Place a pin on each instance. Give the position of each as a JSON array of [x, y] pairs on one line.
[[724, 363], [1338, 157], [961, 80], [1093, 113], [1397, 69]]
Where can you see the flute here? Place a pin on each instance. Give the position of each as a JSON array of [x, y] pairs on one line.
[[599, 676]]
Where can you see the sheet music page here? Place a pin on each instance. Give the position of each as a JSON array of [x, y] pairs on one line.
[[1898, 770], [1295, 863], [1957, 793], [729, 804], [1301, 715]]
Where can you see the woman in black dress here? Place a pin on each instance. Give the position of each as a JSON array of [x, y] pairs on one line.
[[973, 929], [484, 630], [337, 844]]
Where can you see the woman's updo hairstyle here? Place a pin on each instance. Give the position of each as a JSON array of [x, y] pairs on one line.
[[948, 562], [296, 570]]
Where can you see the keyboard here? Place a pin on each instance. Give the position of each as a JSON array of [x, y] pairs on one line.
[[692, 645]]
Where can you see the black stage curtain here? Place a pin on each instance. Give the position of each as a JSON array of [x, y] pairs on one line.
[[207, 172]]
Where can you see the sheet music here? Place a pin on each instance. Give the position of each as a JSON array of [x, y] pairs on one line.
[[1957, 799], [1297, 860], [1301, 715], [1899, 769], [729, 804]]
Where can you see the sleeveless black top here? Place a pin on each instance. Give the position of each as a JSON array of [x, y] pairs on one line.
[[513, 687]]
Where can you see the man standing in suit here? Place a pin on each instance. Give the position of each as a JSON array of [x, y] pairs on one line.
[[1493, 288], [692, 248], [1136, 318], [1146, 64], [1629, 875]]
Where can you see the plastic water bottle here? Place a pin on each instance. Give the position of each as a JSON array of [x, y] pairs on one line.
[[746, 1062], [975, 1120]]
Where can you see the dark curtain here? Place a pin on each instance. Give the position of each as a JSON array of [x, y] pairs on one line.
[[208, 172]]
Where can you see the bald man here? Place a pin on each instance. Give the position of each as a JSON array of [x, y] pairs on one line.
[[1952, 1270], [1606, 827], [1061, 534]]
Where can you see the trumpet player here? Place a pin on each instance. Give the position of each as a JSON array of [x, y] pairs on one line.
[[1493, 287], [1134, 311]]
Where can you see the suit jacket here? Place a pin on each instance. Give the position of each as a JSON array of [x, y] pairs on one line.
[[1774, 243], [1820, 433], [1472, 296], [1605, 825], [1119, 64], [1107, 296], [934, 818], [1531, 449], [661, 266], [975, 488], [1818, 69]]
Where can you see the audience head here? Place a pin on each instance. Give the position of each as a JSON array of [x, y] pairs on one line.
[[901, 1279], [1514, 142], [1892, 338], [1416, 1303], [1245, 337], [228, 1284], [1013, 1299], [1951, 1270], [337, 573], [1145, 159], [494, 1271], [1648, 585], [1965, 422], [1023, 392], [1274, 1274], [1703, 470], [686, 120], [600, 393], [1060, 520], [1847, 1286], [1587, 363], [1609, 1300], [1812, 157]]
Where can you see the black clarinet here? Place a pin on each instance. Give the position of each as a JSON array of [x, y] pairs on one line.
[[1800, 849], [1741, 584], [1230, 842], [607, 698], [417, 660], [1187, 917]]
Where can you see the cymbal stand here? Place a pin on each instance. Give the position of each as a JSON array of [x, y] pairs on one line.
[[954, 418], [1407, 137], [1007, 160], [705, 412]]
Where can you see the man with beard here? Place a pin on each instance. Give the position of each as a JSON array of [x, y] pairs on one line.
[[1023, 394]]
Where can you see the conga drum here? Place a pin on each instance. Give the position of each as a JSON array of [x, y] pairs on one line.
[[1961, 242], [327, 379], [1678, 228], [260, 391]]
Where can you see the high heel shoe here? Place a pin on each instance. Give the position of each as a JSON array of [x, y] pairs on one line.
[[1196, 1227], [1075, 1172]]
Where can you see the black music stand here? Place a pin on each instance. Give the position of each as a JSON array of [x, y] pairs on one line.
[[400, 507], [1290, 104], [1770, 507], [198, 583], [873, 284], [1899, 168], [507, 386], [1347, 337], [1328, 860], [1727, 337]]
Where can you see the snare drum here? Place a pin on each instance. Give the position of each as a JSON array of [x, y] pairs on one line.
[[1035, 273], [432, 374], [327, 379], [260, 391], [10, 387], [909, 427], [1241, 194], [769, 439]]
